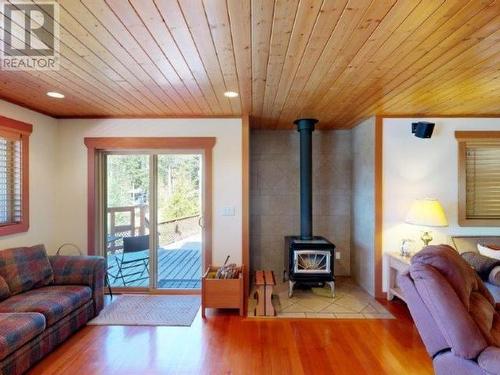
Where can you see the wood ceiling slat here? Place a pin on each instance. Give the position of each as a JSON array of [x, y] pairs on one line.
[[488, 104], [464, 52], [367, 58], [262, 21], [436, 93], [337, 60], [196, 20], [93, 45], [283, 21], [239, 19], [368, 23], [153, 21], [344, 28], [54, 81], [164, 74], [217, 17], [305, 21], [172, 14], [382, 55], [453, 80], [15, 83], [148, 55], [451, 45], [73, 74], [130, 62], [327, 20]]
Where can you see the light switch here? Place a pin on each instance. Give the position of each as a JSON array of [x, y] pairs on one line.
[[228, 211]]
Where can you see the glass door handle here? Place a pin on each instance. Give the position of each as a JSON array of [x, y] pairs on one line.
[[201, 222]]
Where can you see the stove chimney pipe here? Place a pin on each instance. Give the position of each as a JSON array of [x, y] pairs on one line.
[[305, 127]]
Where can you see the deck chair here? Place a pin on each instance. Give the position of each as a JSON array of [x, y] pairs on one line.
[[139, 265]]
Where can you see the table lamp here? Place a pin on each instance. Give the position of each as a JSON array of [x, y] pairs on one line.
[[428, 213]]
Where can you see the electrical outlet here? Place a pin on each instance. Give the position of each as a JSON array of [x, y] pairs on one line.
[[337, 255]]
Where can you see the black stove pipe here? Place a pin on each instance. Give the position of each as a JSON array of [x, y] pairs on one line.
[[305, 127]]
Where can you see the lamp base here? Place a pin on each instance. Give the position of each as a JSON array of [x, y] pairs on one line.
[[426, 238]]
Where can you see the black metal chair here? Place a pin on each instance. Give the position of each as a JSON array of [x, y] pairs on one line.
[[139, 265]]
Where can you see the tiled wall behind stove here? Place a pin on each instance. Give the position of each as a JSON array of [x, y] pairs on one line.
[[274, 194]]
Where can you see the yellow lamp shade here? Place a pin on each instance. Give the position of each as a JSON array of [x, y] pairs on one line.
[[427, 212]]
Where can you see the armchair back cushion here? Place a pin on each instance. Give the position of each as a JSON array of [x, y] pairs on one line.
[[460, 304], [25, 268]]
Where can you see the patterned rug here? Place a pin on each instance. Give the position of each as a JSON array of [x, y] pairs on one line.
[[149, 310]]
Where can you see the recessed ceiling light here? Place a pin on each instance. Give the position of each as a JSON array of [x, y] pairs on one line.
[[54, 94], [230, 94]]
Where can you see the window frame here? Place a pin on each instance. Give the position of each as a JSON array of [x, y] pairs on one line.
[[462, 138], [22, 131]]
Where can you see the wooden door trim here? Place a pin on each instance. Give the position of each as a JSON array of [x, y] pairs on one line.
[[94, 145], [245, 233], [379, 217]]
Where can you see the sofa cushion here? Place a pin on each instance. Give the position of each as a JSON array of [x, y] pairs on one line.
[[54, 302], [16, 329], [25, 268]]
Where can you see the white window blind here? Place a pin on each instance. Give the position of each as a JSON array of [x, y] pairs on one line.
[[10, 181], [482, 170]]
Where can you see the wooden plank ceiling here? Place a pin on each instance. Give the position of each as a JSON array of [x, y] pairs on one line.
[[337, 60]]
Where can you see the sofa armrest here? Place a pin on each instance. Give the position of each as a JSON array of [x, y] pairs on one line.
[[494, 276], [81, 270], [489, 360]]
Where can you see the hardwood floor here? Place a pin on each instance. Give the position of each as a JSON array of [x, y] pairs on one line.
[[228, 344]]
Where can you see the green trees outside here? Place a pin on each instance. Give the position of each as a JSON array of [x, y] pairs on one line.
[[178, 186], [178, 183]]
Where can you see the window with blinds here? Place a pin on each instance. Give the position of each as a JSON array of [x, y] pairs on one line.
[[478, 178], [14, 176], [482, 171], [10, 180]]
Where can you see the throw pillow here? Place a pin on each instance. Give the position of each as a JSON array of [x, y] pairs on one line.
[[25, 268], [488, 251]]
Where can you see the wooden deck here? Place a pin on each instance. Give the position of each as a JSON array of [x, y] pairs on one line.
[[177, 269]]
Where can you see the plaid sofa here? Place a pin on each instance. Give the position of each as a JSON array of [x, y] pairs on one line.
[[44, 300]]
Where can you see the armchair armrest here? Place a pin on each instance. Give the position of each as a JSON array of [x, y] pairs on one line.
[[81, 270], [489, 360]]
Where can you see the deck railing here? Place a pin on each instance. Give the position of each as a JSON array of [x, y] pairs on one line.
[[131, 221]]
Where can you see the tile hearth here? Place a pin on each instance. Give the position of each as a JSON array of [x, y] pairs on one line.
[[350, 302]]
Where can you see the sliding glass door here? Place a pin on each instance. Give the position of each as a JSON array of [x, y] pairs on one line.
[[179, 221], [152, 200]]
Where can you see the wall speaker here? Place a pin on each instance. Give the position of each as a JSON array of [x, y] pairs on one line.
[[422, 129]]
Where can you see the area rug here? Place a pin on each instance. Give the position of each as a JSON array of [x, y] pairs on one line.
[[149, 310]]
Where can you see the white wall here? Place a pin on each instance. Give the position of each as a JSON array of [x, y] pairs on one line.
[[227, 173], [43, 179], [363, 205], [416, 168]]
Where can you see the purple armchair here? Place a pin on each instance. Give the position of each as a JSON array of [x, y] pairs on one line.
[[454, 313]]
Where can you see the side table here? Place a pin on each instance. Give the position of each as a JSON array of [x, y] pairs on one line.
[[397, 265]]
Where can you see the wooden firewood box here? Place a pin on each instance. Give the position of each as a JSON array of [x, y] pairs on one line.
[[221, 293]]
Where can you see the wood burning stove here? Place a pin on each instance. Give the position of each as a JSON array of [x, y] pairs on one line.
[[308, 259]]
